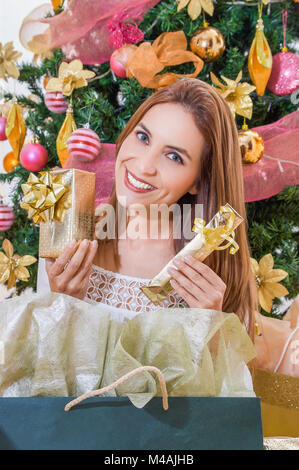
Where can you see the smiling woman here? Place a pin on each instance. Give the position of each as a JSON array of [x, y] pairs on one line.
[[180, 147]]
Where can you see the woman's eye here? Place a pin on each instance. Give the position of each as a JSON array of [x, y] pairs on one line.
[[143, 134], [176, 158]]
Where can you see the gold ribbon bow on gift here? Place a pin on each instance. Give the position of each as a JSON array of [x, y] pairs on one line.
[[46, 198], [12, 267], [212, 235], [150, 59]]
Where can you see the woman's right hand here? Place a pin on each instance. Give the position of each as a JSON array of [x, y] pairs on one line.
[[69, 273]]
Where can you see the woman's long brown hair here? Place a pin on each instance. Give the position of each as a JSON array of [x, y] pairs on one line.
[[220, 180]]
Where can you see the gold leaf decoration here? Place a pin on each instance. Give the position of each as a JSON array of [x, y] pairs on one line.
[[8, 57], [70, 77], [12, 267], [235, 94], [267, 281]]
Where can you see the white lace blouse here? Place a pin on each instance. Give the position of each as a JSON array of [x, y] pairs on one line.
[[117, 293], [123, 293]]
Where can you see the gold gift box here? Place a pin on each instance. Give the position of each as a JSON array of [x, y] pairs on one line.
[[159, 287], [78, 221]]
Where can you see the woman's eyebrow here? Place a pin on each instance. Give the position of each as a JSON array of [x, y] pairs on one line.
[[169, 146], [180, 150], [145, 128]]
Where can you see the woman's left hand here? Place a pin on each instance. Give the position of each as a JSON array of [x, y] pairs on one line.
[[197, 284]]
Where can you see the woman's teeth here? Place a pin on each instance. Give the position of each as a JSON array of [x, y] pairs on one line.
[[138, 184]]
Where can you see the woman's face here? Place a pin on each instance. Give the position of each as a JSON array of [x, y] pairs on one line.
[[159, 160]]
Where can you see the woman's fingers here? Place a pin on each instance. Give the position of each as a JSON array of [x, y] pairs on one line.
[[57, 267], [187, 296], [210, 276], [75, 262], [185, 282], [86, 265], [193, 275]]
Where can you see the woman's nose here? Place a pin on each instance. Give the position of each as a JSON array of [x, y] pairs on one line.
[[147, 164]]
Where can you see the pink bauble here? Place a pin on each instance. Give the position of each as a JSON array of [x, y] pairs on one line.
[[7, 217], [119, 58], [284, 78], [56, 102], [3, 121], [33, 157], [84, 145]]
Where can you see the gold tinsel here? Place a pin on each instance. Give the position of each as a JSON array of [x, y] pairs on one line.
[[12, 267]]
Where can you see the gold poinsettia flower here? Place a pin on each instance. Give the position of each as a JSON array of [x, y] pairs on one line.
[[195, 7], [12, 267], [235, 94], [267, 281], [70, 76], [7, 58]]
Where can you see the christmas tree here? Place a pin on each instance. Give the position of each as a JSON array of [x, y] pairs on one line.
[[109, 101]]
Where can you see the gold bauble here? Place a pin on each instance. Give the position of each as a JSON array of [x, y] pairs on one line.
[[208, 43], [251, 145], [10, 162]]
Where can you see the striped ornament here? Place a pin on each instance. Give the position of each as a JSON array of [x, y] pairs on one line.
[[56, 102], [7, 217], [84, 145]]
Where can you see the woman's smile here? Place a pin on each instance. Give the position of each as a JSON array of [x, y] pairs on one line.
[[135, 184]]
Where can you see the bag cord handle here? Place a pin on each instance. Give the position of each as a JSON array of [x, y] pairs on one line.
[[122, 379]]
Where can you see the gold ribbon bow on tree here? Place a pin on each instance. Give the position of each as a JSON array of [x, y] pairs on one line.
[[212, 235], [235, 94], [167, 49], [46, 198], [12, 267]]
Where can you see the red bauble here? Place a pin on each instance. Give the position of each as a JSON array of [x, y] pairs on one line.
[[119, 58], [284, 78], [33, 157], [7, 217], [56, 102], [84, 145], [3, 121]]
